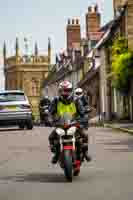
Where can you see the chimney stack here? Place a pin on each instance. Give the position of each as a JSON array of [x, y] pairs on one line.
[[73, 33], [93, 20]]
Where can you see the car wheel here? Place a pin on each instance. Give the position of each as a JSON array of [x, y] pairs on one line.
[[21, 126], [29, 125]]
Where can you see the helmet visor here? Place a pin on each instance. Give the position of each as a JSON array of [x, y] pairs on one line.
[[78, 93], [67, 91]]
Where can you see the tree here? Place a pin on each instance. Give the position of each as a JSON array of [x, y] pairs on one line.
[[122, 65]]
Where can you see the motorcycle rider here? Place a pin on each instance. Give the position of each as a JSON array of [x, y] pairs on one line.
[[83, 97], [65, 103], [45, 101], [79, 94]]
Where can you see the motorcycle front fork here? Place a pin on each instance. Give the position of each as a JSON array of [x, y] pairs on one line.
[[76, 154], [73, 144]]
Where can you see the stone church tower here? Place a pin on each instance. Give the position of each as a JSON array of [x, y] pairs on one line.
[[27, 73]]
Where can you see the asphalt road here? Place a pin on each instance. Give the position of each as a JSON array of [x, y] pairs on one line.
[[27, 174]]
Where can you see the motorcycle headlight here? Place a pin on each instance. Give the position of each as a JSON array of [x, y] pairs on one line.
[[71, 130], [46, 111], [60, 131]]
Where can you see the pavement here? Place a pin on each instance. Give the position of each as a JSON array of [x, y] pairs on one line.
[[125, 127], [27, 174], [121, 126]]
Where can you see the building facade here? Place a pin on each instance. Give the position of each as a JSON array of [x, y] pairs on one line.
[[115, 104], [75, 65], [27, 73], [129, 24]]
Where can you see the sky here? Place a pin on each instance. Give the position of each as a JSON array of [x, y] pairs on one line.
[[37, 20]]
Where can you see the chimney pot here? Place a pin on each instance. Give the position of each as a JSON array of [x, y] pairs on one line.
[[89, 9], [73, 21], [77, 21], [96, 8], [69, 22]]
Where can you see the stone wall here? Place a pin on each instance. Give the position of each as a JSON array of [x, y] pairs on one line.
[[29, 78], [118, 3], [130, 24]]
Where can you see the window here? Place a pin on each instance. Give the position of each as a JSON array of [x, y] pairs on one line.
[[34, 87], [93, 43], [4, 97]]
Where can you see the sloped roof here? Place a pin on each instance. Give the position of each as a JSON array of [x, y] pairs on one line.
[[110, 29], [63, 71], [106, 26], [89, 75]]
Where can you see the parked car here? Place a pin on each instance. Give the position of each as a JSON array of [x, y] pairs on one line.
[[15, 109]]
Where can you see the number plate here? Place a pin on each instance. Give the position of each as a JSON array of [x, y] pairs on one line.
[[10, 108]]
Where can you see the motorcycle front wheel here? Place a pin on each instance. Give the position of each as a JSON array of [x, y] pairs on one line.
[[68, 166]]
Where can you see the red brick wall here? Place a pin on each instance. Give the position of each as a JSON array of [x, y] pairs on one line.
[[93, 20], [73, 33]]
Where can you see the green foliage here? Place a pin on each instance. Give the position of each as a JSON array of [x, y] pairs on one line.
[[122, 64], [119, 46]]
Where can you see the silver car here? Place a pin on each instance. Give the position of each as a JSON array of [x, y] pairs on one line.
[[15, 109]]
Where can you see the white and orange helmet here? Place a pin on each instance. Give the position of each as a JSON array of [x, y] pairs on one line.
[[65, 89]]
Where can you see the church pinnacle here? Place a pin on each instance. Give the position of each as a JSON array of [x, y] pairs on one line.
[[17, 48]]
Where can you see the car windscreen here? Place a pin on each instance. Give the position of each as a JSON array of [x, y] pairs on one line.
[[4, 97]]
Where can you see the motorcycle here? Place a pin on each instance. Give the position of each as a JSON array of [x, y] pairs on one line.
[[45, 115], [69, 145], [85, 121]]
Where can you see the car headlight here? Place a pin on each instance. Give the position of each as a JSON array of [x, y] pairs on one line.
[[60, 131], [71, 130]]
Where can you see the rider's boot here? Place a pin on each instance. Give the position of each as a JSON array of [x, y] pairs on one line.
[[85, 153], [55, 159], [55, 150]]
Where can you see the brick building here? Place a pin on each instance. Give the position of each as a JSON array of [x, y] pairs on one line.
[[74, 65], [112, 102], [115, 104]]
